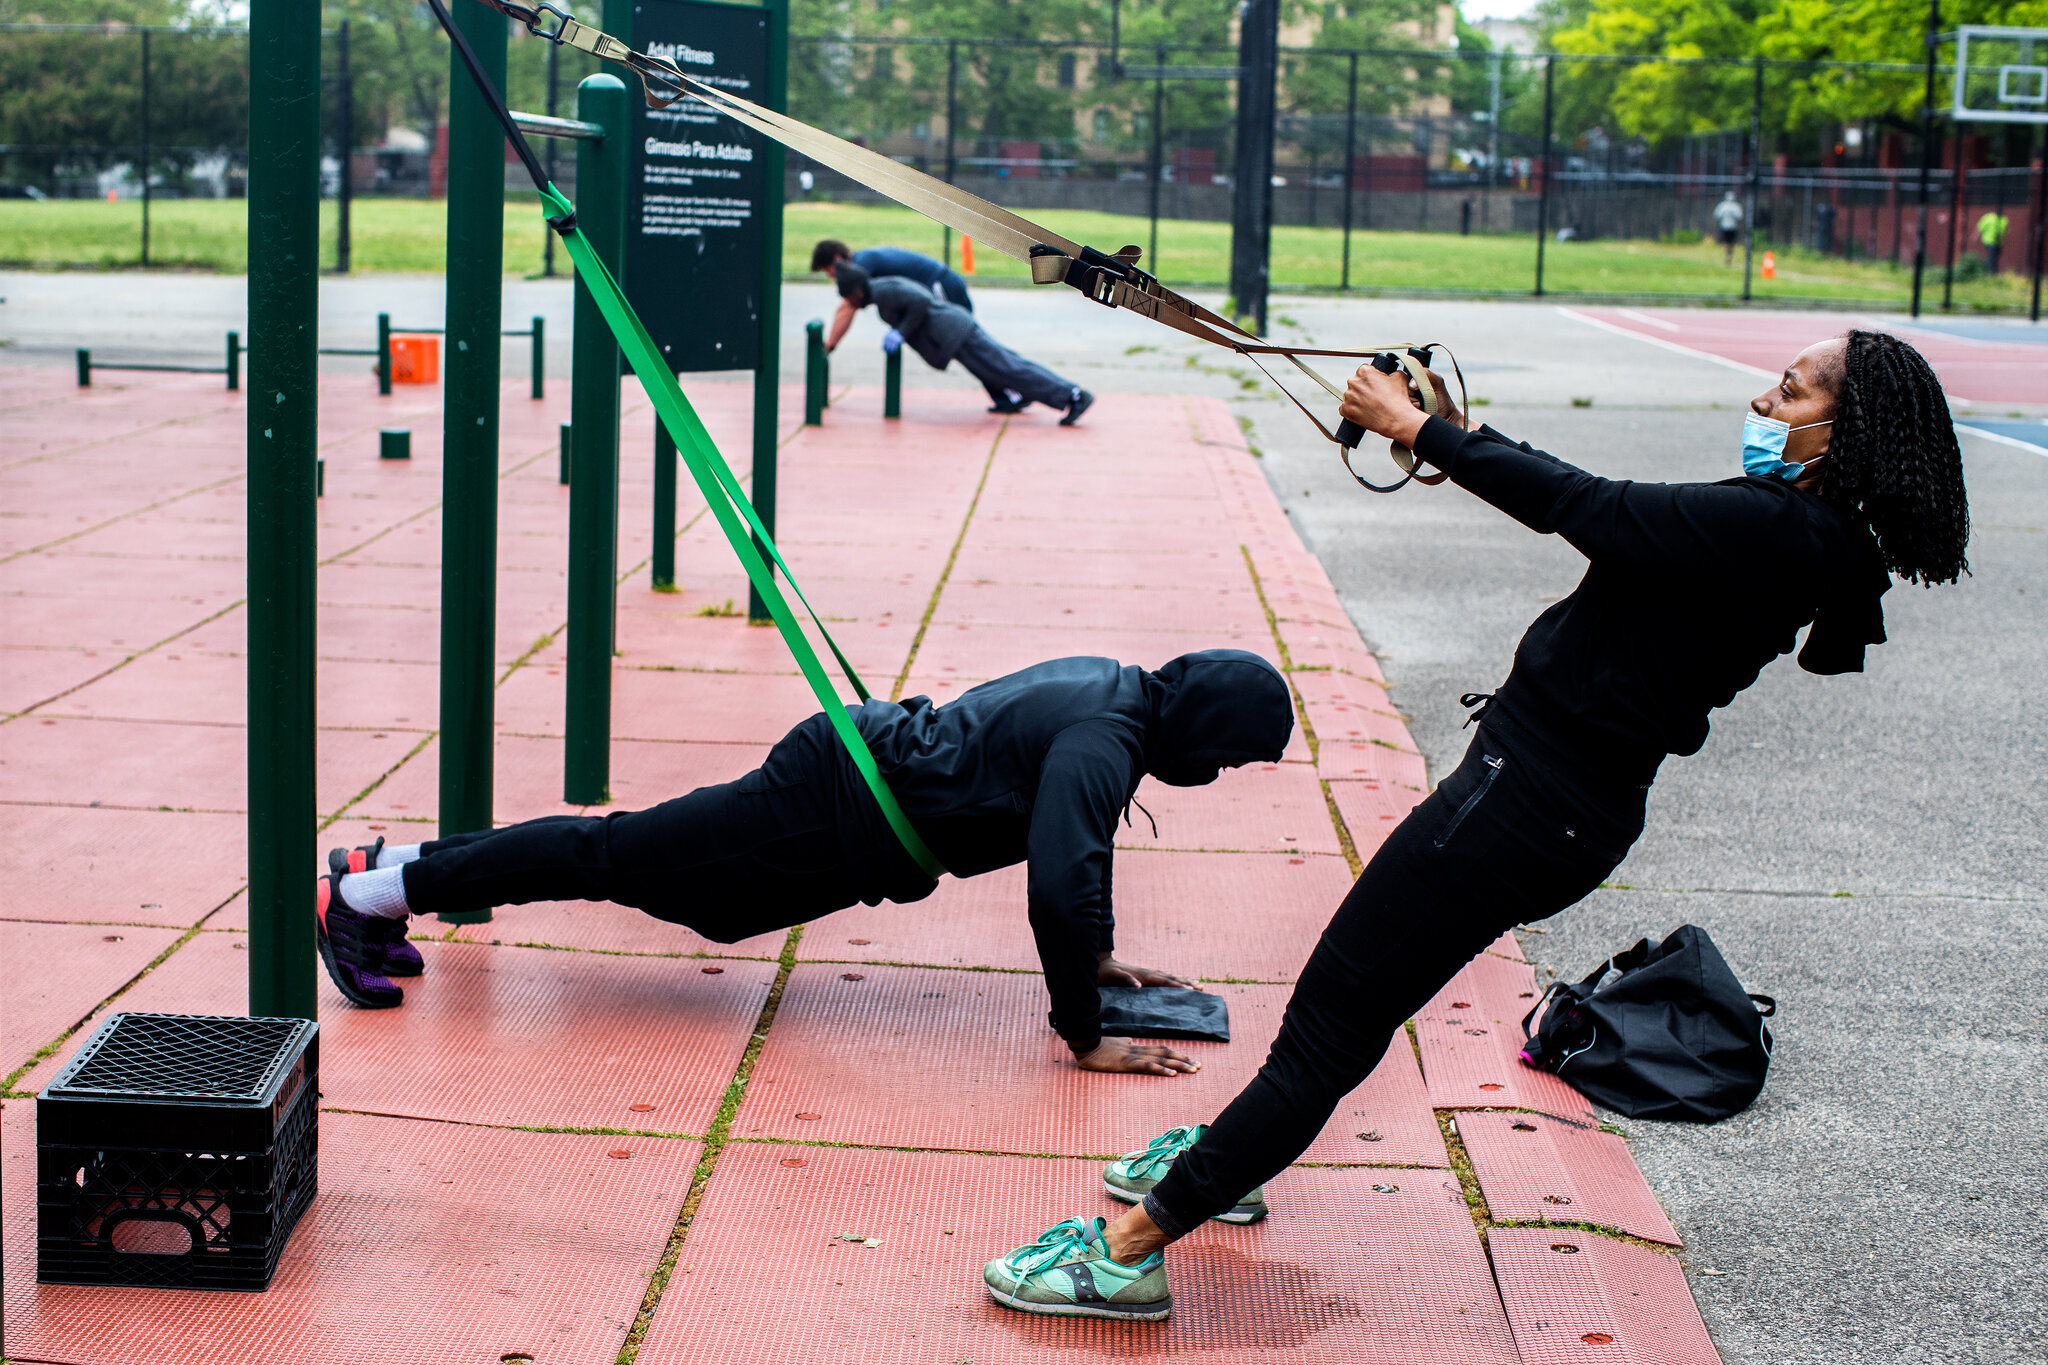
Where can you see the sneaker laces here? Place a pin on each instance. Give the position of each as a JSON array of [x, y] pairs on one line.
[[1054, 1245], [1163, 1149]]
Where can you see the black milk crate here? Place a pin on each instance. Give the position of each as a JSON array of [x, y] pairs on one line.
[[177, 1151]]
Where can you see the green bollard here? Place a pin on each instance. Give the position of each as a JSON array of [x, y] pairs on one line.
[[384, 355], [892, 384], [814, 373], [664, 509], [234, 370], [469, 437], [320, 478], [540, 365], [594, 469], [84, 368], [394, 443], [283, 445], [565, 448]]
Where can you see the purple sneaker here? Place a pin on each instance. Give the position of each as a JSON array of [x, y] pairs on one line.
[[400, 957], [352, 948]]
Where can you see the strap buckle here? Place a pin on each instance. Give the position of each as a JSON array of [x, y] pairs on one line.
[[535, 20], [1096, 274]]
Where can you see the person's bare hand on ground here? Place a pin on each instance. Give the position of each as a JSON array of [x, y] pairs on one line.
[[1151, 1059], [1110, 972]]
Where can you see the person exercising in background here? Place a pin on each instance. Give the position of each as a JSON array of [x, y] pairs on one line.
[[1850, 474], [942, 333], [1034, 767]]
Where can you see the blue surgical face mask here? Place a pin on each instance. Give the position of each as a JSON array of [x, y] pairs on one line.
[[1763, 447]]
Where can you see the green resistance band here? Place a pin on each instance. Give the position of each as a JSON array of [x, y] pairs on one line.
[[729, 503]]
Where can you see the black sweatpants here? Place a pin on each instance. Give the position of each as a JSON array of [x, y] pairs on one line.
[[1504, 840], [788, 842], [998, 367]]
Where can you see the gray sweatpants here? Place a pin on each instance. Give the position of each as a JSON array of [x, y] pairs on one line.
[[998, 367]]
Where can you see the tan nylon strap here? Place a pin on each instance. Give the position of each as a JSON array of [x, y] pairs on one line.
[[991, 224]]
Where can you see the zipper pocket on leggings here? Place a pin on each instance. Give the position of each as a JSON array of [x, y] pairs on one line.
[[1493, 767]]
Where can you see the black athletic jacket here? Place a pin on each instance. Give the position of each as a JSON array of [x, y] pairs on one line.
[[1692, 589], [1041, 764]]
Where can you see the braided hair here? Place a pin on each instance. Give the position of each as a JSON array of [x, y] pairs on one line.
[[1894, 464]]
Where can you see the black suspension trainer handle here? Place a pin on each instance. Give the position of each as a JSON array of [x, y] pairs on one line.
[[1350, 435]]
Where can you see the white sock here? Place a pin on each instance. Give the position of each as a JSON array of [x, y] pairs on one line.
[[376, 893], [396, 855]]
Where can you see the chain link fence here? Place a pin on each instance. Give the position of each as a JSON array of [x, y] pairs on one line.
[[1398, 171]]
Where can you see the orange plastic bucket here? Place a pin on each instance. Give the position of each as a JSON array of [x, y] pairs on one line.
[[415, 359]]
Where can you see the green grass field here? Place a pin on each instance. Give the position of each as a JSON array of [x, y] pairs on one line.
[[407, 235]]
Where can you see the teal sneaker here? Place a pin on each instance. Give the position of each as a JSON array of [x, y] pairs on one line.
[[1067, 1273], [1131, 1177]]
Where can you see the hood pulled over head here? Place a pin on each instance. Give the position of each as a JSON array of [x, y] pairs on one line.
[[852, 282], [1219, 708]]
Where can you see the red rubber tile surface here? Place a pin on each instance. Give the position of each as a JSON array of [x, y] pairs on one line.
[[1372, 809], [1372, 762], [1470, 1035], [531, 1037], [1019, 600], [880, 1061], [1507, 946], [1269, 807], [749, 708], [427, 1242], [1605, 1303], [985, 651], [603, 928], [125, 866], [1395, 1278], [57, 973], [1247, 916], [1534, 1169]]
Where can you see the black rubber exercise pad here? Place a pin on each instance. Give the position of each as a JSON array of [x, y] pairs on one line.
[[1164, 1012]]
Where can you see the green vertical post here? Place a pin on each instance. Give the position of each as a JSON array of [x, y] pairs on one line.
[[768, 356], [540, 364], [664, 509], [564, 450], [84, 367], [284, 305], [814, 373], [892, 384], [469, 435], [234, 360], [384, 354], [594, 466]]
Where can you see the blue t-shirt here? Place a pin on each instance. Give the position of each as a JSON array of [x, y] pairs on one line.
[[894, 260]]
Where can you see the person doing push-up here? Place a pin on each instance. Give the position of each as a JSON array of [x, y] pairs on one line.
[[1034, 767], [1851, 474]]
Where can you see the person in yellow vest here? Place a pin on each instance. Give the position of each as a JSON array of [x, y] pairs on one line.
[[1991, 232]]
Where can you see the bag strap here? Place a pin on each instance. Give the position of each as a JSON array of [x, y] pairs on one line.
[[715, 480], [1548, 991], [1768, 1005]]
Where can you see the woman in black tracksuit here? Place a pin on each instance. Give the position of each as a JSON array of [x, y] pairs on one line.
[[1691, 590]]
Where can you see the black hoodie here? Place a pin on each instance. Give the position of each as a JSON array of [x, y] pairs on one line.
[[1691, 590], [1040, 765]]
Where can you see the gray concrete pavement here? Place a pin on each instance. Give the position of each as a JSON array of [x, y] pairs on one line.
[[1883, 1200]]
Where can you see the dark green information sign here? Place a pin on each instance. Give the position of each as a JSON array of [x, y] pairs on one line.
[[696, 192]]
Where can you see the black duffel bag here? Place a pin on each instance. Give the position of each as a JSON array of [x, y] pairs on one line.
[[1673, 1037]]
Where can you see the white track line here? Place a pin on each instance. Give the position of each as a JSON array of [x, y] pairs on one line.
[[2004, 440], [1645, 317], [1709, 356]]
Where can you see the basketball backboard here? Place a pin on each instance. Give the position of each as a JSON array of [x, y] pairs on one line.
[[2001, 75]]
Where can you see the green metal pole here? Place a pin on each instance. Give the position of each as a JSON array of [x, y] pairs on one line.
[[594, 465], [664, 510], [384, 354], [469, 435], [284, 302], [814, 373], [540, 364], [892, 384], [768, 358], [563, 450], [234, 360]]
